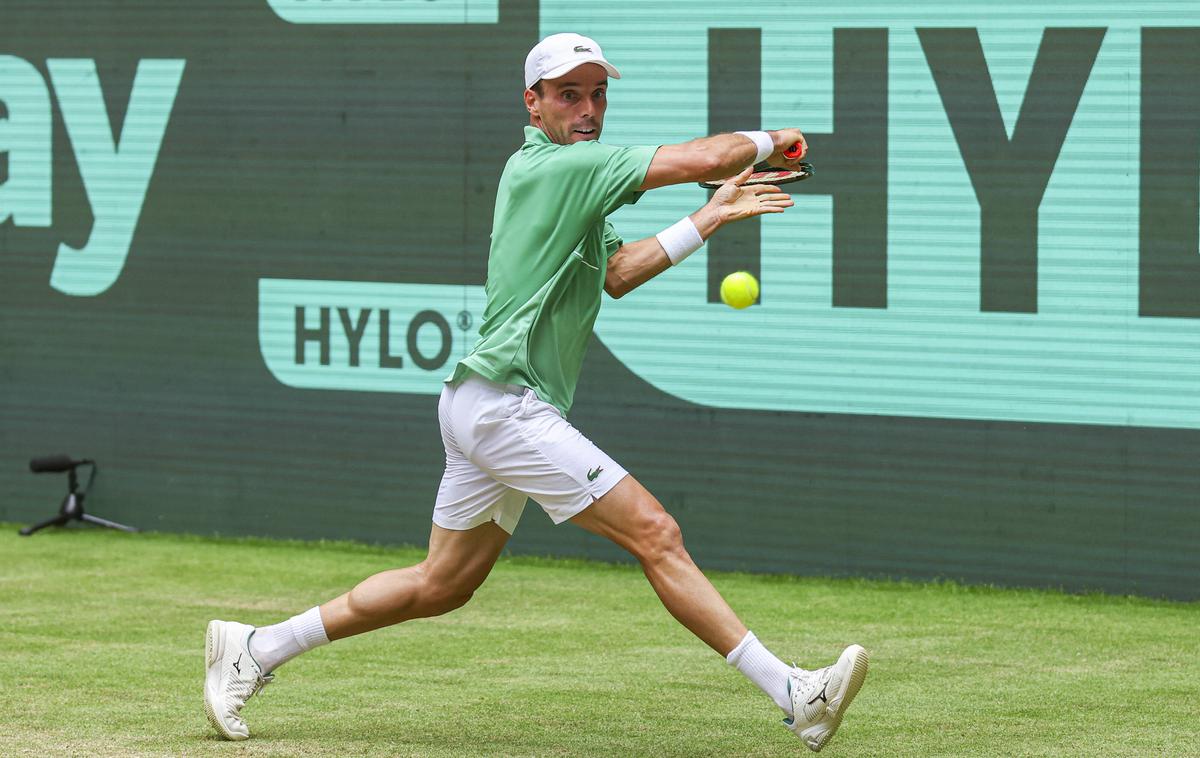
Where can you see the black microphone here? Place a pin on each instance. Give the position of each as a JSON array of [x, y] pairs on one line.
[[50, 463]]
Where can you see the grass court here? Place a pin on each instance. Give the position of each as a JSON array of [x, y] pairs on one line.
[[101, 648]]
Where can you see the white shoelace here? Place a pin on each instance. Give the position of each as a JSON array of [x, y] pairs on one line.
[[239, 689]]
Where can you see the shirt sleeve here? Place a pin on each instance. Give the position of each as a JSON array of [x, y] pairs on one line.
[[612, 240], [613, 174]]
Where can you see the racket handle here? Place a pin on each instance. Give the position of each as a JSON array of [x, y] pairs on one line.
[[795, 151]]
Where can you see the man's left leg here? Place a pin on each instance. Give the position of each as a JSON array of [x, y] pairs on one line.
[[814, 701], [634, 519], [533, 449]]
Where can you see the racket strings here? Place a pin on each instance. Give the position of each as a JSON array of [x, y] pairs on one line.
[[766, 174]]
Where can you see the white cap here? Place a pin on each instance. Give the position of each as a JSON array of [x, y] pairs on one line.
[[559, 53]]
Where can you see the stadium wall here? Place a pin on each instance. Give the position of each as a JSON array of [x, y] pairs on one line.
[[242, 242]]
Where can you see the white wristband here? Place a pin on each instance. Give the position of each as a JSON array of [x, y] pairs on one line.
[[762, 140], [680, 240]]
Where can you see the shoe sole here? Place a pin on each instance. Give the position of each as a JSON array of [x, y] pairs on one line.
[[212, 654], [858, 673]]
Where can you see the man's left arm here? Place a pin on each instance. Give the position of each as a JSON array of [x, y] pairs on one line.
[[635, 263]]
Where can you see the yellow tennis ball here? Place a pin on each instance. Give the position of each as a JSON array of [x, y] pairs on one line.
[[739, 289]]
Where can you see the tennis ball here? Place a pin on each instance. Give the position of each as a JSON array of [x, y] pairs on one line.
[[739, 289]]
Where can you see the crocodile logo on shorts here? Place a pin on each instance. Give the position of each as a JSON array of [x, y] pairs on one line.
[[594, 473]]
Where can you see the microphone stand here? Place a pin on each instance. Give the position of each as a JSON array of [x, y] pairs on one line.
[[72, 507]]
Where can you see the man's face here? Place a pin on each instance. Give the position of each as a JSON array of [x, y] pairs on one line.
[[571, 107]]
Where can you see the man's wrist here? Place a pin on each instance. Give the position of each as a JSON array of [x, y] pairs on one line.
[[764, 143], [680, 240], [707, 220]]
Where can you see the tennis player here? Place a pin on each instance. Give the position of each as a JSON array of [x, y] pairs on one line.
[[503, 409]]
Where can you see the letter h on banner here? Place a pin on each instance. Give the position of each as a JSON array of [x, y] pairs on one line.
[[853, 158]]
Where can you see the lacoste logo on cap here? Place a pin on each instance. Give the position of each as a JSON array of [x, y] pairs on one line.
[[582, 49]]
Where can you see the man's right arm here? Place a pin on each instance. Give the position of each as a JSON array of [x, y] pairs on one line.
[[714, 158]]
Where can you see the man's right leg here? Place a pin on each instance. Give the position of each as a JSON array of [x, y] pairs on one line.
[[457, 564], [240, 658], [473, 518]]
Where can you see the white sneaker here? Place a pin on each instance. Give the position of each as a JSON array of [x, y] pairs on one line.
[[821, 697], [232, 677]]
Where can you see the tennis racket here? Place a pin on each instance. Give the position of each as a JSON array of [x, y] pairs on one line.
[[765, 173]]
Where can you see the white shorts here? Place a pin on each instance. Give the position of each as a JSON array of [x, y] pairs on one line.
[[504, 445]]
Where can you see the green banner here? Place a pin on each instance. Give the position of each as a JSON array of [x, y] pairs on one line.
[[242, 242], [1007, 183]]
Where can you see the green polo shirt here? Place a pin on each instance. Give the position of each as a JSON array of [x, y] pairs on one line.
[[550, 247]]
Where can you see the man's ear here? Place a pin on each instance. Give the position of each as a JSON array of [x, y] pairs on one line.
[[531, 102]]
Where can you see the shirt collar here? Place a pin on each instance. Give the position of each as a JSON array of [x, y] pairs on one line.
[[535, 136]]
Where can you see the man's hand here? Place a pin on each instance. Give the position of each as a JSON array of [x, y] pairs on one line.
[[635, 263], [784, 139], [733, 202], [713, 158]]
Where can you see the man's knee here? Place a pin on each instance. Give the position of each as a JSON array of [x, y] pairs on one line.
[[657, 537], [426, 594], [441, 593], [439, 599]]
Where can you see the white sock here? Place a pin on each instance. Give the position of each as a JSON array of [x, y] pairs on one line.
[[272, 646], [761, 666]]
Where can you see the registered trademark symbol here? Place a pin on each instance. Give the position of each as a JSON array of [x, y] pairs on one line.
[[464, 320]]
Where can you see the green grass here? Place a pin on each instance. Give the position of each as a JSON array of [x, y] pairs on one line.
[[101, 639]]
